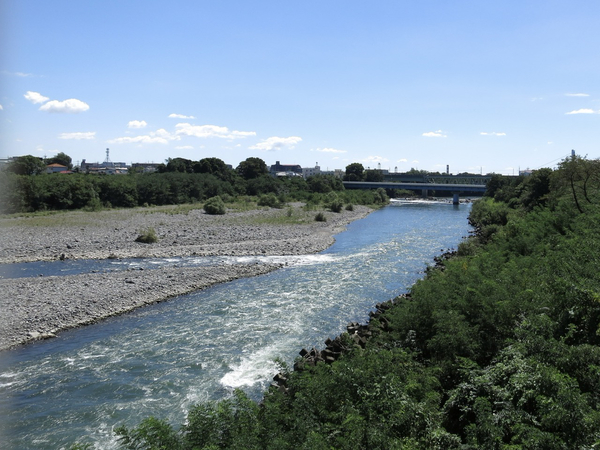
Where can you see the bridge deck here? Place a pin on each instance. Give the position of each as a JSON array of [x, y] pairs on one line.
[[415, 186]]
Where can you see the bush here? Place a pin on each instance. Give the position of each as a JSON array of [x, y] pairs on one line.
[[349, 207], [320, 217], [334, 202], [214, 205], [336, 205], [93, 205], [147, 236], [269, 200]]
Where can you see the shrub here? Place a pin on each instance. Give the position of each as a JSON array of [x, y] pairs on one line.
[[147, 236], [349, 207], [214, 205], [334, 202], [336, 205], [320, 217], [269, 200], [93, 205]]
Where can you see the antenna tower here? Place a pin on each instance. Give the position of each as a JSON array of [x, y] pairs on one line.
[[107, 161]]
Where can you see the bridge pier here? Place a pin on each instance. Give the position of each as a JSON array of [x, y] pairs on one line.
[[424, 193], [455, 198]]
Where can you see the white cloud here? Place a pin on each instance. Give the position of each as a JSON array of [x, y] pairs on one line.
[[35, 97], [17, 74], [437, 133], [402, 160], [160, 136], [493, 133], [180, 116], [1, 107], [146, 139], [582, 111], [577, 95], [276, 143], [329, 150], [375, 159], [184, 147], [206, 131], [78, 136], [71, 106], [137, 124]]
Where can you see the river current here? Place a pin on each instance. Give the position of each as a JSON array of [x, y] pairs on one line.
[[159, 360]]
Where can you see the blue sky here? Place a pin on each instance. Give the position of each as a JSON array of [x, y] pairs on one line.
[[481, 86]]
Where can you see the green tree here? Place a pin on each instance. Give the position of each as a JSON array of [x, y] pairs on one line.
[[26, 165], [373, 175], [179, 165], [580, 179], [536, 188], [252, 168], [324, 183], [354, 172]]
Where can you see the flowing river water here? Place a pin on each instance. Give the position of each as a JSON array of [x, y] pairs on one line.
[[159, 360]]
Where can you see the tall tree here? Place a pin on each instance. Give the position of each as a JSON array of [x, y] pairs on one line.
[[354, 172], [26, 165], [216, 167], [252, 168], [581, 178]]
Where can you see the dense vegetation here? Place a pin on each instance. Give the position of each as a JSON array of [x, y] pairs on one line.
[[496, 348], [26, 189]]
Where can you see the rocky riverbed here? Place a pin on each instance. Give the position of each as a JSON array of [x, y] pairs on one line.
[[37, 308]]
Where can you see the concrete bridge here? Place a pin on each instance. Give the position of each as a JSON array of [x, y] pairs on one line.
[[456, 189]]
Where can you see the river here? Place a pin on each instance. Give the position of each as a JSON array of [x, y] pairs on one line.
[[161, 359]]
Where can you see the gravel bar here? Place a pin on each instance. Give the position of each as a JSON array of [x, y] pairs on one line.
[[39, 308]]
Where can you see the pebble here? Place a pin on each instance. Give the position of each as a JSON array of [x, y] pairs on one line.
[[39, 307]]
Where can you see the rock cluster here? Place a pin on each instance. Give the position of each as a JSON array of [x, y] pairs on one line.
[[356, 336]]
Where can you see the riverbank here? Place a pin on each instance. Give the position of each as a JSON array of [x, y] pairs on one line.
[[41, 307]]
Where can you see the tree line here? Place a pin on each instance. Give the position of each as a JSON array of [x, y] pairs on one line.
[[497, 347], [24, 187]]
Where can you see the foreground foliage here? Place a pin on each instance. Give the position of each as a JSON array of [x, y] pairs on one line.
[[497, 347]]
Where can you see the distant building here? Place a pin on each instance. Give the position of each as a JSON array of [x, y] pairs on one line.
[[279, 169], [145, 167], [338, 173], [106, 167], [310, 171], [57, 168]]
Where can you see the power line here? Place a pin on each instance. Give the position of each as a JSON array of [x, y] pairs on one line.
[[546, 164]]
